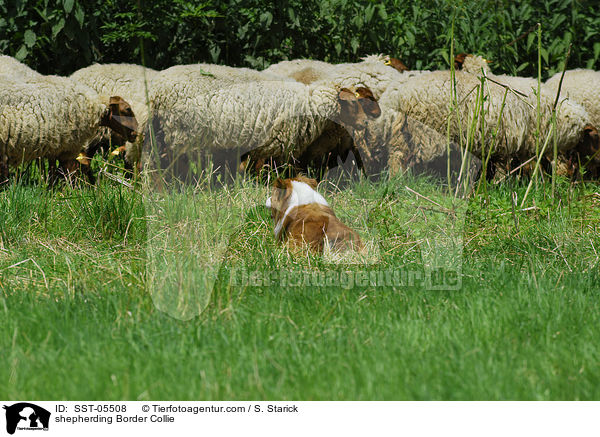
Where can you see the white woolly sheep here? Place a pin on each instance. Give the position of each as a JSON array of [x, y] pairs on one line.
[[374, 72], [292, 69], [53, 117], [13, 69], [426, 99], [581, 86], [397, 142], [576, 120], [478, 65], [129, 81], [228, 112]]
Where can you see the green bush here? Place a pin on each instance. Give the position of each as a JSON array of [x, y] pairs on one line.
[[60, 36]]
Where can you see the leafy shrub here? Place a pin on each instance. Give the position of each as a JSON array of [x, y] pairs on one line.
[[60, 36]]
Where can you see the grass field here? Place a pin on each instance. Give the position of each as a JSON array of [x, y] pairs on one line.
[[80, 269]]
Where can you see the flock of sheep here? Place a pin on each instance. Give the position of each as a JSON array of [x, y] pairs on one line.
[[302, 113]]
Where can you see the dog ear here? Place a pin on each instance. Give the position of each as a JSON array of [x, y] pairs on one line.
[[279, 183], [312, 183], [368, 102]]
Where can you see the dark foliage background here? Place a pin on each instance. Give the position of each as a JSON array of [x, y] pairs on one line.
[[60, 36]]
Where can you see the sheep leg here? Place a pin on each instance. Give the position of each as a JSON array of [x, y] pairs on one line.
[[52, 172], [4, 174], [84, 168]]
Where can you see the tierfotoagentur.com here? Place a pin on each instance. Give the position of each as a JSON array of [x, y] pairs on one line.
[[440, 278]]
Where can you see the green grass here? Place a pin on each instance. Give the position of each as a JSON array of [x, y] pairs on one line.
[[79, 269]]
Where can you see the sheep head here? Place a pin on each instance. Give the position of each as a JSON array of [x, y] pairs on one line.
[[471, 63], [589, 147], [459, 60], [120, 118], [357, 107]]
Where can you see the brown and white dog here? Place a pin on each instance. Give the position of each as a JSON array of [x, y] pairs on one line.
[[303, 217]]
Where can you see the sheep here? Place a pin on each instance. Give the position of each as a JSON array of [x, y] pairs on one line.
[[478, 65], [373, 72], [293, 68], [302, 70], [52, 117], [582, 86], [13, 69], [396, 142], [231, 111], [576, 124], [426, 99], [129, 81]]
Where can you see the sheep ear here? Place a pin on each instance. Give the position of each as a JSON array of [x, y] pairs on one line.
[[106, 116], [115, 100], [591, 140], [590, 130], [459, 60], [397, 64], [368, 102], [346, 95]]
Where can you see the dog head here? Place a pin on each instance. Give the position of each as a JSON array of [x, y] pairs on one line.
[[290, 193]]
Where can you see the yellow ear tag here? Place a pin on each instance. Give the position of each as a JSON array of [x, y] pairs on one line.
[[357, 95], [115, 152], [81, 158]]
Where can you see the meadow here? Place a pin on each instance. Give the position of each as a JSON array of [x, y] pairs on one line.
[[119, 291], [82, 315]]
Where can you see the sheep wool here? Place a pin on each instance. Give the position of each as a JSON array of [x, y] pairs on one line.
[[128, 81], [48, 117], [239, 111], [372, 72], [397, 142], [13, 69], [303, 70], [427, 99], [477, 65], [572, 118], [581, 86]]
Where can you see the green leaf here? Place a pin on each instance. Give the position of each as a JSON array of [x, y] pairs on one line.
[[58, 27], [22, 53], [522, 67], [382, 12], [69, 6], [530, 39], [266, 18], [29, 38], [79, 15], [596, 50]]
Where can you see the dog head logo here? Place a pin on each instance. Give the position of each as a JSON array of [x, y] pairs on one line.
[[26, 416]]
